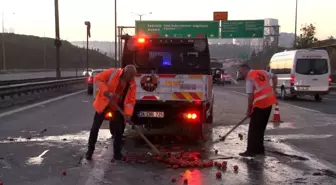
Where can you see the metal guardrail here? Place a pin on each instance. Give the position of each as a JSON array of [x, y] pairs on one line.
[[37, 70], [21, 81], [24, 88]]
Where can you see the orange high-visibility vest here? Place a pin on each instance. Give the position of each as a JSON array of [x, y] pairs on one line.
[[108, 80], [263, 95]]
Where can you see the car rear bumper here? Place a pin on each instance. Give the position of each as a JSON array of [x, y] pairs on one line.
[[173, 112], [297, 92]]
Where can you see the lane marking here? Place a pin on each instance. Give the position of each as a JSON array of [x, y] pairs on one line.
[[37, 160], [38, 104], [288, 104], [101, 165]]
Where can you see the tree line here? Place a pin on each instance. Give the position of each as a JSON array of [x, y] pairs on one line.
[[306, 37]]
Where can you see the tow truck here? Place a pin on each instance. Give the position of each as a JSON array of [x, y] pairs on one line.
[[174, 83]]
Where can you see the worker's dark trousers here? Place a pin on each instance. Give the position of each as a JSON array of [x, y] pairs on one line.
[[257, 127], [118, 129]]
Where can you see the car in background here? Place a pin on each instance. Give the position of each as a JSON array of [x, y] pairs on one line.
[[227, 78], [238, 76], [89, 80], [87, 72], [217, 76]]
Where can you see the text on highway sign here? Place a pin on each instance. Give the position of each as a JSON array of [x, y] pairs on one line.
[[209, 29], [243, 29]]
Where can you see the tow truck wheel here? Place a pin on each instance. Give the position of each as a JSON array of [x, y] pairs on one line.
[[209, 119], [195, 132]]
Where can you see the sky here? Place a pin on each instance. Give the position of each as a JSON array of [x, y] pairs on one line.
[[37, 17]]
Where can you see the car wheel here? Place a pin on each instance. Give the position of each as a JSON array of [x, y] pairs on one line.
[[318, 98], [195, 132], [210, 118], [283, 94]]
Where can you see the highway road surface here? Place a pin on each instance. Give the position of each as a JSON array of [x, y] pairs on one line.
[[44, 145], [29, 75]]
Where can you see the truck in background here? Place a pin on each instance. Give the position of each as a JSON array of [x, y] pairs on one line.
[[174, 83]]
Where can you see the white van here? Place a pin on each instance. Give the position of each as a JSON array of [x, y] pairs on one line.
[[302, 72]]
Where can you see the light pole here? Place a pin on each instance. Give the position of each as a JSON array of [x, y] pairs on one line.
[[57, 42], [295, 31], [115, 33], [140, 15], [3, 42], [88, 34]]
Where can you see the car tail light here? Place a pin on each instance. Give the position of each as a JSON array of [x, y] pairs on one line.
[[141, 40], [191, 116], [90, 79], [225, 76], [108, 115], [292, 80], [329, 79]]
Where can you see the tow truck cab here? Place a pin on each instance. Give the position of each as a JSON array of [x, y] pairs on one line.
[[174, 82]]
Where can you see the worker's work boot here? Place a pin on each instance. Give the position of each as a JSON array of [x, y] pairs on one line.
[[247, 154], [118, 156], [89, 153]]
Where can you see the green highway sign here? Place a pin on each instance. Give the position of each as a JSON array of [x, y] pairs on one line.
[[242, 29], [209, 29], [243, 55]]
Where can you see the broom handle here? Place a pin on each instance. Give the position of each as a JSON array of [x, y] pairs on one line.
[[137, 129]]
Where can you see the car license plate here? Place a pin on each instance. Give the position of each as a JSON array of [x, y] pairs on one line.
[[145, 114]]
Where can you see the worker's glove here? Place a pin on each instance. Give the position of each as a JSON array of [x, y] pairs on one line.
[[248, 113]]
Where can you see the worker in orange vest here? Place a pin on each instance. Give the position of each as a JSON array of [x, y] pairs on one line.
[[261, 97], [117, 85]]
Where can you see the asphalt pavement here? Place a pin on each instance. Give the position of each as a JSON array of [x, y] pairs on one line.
[[327, 106], [29, 75], [45, 145]]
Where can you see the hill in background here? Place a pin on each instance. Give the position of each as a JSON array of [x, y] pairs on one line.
[[31, 52], [223, 50]]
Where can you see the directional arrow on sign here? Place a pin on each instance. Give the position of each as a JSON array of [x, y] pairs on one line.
[[189, 35], [166, 35], [212, 35]]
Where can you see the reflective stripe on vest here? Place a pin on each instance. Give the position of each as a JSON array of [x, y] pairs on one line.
[[262, 97], [109, 81], [257, 87]]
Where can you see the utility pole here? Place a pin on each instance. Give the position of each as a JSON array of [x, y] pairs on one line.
[[295, 31], [115, 33], [57, 42], [44, 55], [88, 34], [3, 43]]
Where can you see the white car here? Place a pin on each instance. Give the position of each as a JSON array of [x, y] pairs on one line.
[[302, 72], [87, 72]]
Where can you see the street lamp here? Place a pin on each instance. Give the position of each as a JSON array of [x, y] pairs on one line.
[[3, 42], [296, 8], [88, 34], [140, 15], [115, 33]]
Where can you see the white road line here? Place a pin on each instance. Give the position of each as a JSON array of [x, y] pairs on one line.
[[102, 164], [38, 104], [288, 104]]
